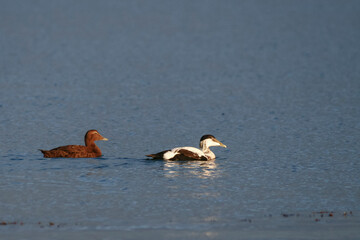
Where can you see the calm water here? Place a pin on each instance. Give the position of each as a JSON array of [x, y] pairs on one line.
[[278, 82]]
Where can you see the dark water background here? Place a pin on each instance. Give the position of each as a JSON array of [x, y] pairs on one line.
[[278, 82]]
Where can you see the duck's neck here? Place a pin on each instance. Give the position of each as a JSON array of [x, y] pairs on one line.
[[92, 147], [206, 150]]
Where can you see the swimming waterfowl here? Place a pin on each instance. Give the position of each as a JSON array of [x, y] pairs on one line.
[[191, 153], [90, 150]]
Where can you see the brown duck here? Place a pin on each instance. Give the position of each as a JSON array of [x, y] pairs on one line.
[[90, 150]]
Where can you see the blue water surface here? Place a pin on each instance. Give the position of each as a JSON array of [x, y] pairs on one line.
[[277, 81]]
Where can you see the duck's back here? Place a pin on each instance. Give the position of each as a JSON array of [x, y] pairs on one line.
[[180, 153], [185, 153], [69, 151]]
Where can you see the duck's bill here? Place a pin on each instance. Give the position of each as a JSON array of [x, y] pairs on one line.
[[221, 144], [104, 139]]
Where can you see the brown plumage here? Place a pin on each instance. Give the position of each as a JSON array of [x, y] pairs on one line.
[[90, 150]]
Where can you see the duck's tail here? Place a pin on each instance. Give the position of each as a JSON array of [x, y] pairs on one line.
[[159, 155], [45, 152]]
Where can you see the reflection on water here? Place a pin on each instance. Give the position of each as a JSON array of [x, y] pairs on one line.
[[200, 169]]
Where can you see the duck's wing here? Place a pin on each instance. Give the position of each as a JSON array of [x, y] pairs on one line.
[[180, 154], [185, 153], [55, 153], [70, 148], [69, 151]]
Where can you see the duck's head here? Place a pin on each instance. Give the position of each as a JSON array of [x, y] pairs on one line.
[[93, 135], [208, 140]]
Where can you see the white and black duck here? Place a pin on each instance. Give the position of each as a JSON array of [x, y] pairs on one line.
[[191, 153]]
